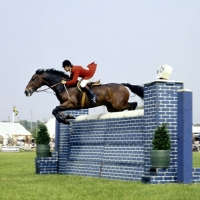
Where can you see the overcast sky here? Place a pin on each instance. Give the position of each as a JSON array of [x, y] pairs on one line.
[[128, 39]]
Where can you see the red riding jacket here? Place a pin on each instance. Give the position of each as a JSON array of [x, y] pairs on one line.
[[85, 73]]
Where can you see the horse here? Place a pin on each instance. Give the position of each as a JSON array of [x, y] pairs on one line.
[[112, 95]]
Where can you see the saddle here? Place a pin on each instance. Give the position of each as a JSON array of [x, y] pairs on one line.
[[84, 93], [89, 84]]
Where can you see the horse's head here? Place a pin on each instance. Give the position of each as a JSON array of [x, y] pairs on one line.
[[42, 77], [35, 82]]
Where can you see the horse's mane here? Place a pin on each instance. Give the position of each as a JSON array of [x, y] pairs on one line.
[[53, 71]]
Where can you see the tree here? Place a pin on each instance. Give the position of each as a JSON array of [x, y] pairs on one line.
[[161, 139], [42, 136], [29, 125]]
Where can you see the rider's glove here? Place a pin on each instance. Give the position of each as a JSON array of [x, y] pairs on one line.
[[63, 82]]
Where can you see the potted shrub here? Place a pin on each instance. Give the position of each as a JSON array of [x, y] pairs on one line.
[[42, 142], [160, 154]]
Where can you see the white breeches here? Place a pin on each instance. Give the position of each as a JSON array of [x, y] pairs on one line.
[[84, 82]]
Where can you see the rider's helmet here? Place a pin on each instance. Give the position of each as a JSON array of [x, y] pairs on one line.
[[66, 63]]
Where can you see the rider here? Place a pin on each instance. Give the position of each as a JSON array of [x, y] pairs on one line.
[[87, 75]]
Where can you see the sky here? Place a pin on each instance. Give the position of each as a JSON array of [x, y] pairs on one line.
[[128, 39]]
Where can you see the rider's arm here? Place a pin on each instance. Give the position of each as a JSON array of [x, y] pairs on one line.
[[75, 73]]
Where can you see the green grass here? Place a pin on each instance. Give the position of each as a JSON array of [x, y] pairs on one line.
[[19, 181], [196, 159]]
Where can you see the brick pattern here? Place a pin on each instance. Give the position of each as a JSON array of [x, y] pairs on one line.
[[165, 175], [160, 106], [113, 148], [196, 175], [64, 140], [120, 148], [48, 165]]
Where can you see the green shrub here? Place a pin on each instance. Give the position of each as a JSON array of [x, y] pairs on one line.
[[42, 136], [161, 139]]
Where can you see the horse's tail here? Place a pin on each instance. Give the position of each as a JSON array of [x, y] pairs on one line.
[[139, 90]]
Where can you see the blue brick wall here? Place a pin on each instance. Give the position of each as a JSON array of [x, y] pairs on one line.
[[160, 105], [120, 148], [108, 148], [47, 165], [64, 145], [196, 175]]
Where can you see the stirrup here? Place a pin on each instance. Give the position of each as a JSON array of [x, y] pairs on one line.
[[92, 96], [93, 100]]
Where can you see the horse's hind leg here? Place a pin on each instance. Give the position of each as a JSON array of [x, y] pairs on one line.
[[133, 106], [128, 106], [111, 109], [125, 106]]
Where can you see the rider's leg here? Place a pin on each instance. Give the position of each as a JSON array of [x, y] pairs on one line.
[[89, 92]]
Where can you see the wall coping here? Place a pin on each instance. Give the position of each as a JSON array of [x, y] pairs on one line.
[[133, 113], [184, 90], [163, 80]]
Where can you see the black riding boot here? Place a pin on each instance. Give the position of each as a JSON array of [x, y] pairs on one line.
[[90, 94]]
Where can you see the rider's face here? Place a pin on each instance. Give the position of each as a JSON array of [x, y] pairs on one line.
[[67, 68]]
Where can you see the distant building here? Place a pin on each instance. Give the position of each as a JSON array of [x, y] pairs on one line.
[[13, 130], [196, 130], [196, 134]]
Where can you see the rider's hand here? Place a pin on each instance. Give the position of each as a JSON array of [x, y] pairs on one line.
[[63, 82]]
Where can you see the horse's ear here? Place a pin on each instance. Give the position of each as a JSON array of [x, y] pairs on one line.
[[39, 71]]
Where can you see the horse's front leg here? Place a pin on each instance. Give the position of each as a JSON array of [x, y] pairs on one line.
[[60, 116], [69, 116]]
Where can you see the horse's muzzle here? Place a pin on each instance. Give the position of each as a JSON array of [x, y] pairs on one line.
[[28, 92]]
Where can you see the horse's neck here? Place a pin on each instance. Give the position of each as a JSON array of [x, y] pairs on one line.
[[52, 80], [53, 83]]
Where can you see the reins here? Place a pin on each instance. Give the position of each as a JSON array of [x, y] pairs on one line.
[[49, 87]]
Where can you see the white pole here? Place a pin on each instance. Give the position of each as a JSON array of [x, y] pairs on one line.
[[13, 120], [31, 120]]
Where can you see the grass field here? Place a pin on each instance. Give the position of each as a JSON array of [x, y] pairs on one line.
[[19, 181]]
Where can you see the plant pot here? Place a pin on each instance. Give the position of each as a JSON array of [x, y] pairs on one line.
[[160, 158], [42, 150]]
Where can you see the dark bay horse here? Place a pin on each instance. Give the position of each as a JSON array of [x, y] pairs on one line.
[[114, 96]]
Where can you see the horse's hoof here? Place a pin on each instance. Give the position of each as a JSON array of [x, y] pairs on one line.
[[134, 105], [67, 122], [70, 116]]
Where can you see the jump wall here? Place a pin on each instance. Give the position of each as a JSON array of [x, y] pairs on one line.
[[119, 148]]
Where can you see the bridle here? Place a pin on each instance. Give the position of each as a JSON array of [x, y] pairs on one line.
[[49, 86]]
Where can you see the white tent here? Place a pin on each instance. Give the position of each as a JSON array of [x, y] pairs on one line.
[[8, 129], [196, 129], [51, 126]]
